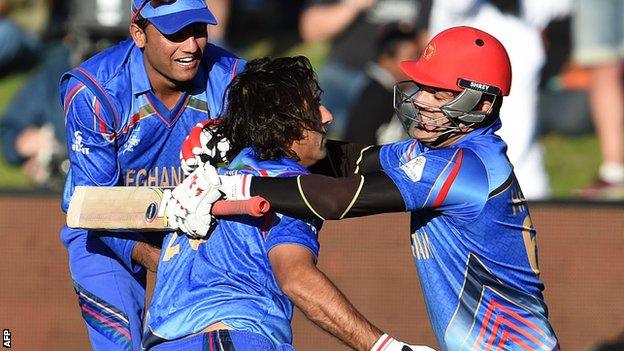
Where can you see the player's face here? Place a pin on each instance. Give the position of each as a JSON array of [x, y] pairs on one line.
[[433, 121], [172, 61], [311, 148]]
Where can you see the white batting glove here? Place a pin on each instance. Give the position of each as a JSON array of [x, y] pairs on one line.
[[203, 145], [388, 343], [189, 207], [236, 187]]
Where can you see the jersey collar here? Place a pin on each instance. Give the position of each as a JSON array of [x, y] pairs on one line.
[[138, 73]]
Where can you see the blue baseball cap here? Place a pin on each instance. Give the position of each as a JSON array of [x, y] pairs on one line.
[[171, 16]]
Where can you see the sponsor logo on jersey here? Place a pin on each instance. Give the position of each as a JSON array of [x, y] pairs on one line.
[[414, 168], [158, 176], [77, 144], [133, 141]]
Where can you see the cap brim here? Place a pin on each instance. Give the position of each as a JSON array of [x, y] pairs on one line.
[[416, 73], [175, 22]]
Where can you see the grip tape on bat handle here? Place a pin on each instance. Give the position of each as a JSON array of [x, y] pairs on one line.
[[257, 206]]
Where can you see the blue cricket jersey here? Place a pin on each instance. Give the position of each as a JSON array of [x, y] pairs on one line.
[[228, 278], [119, 133], [473, 243]]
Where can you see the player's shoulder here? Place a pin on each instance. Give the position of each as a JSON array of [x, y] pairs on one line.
[[100, 70], [461, 154], [111, 63], [216, 56]]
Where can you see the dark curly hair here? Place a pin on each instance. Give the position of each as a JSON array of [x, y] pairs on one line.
[[269, 106]]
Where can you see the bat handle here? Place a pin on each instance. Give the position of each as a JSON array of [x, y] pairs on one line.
[[257, 206]]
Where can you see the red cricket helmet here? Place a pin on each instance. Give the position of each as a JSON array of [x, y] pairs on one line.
[[463, 57]]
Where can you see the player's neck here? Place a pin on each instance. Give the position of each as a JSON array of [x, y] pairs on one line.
[[166, 90]]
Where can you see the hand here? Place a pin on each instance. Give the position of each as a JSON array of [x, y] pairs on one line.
[[388, 343], [203, 145], [236, 187], [189, 207]]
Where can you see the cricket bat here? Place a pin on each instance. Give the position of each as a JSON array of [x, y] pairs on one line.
[[140, 208]]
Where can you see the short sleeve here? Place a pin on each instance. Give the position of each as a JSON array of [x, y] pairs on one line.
[[450, 180], [288, 230]]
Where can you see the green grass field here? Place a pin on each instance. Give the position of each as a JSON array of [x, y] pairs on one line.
[[571, 161], [11, 177]]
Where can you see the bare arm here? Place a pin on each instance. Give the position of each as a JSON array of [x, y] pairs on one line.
[[321, 22], [318, 298], [146, 255]]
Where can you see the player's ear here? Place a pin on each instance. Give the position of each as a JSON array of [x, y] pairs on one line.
[[138, 35], [486, 105]]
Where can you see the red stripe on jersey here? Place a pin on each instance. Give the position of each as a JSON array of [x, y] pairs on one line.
[[71, 95], [99, 87], [526, 323], [490, 342], [182, 109], [486, 320], [149, 102], [234, 69], [410, 150], [263, 173], [210, 341], [509, 324], [516, 340], [449, 181], [100, 121], [106, 321]]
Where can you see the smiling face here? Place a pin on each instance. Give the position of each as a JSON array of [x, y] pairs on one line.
[[171, 61], [433, 121]]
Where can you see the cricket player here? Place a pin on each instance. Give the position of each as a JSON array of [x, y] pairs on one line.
[[473, 241], [235, 290], [128, 110]]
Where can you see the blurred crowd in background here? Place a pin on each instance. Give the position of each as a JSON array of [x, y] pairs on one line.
[[566, 57]]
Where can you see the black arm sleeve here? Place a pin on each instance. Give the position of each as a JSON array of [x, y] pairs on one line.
[[346, 159], [330, 198]]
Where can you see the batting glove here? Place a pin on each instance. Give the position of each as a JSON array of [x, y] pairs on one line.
[[236, 187], [189, 207], [388, 343], [203, 145]]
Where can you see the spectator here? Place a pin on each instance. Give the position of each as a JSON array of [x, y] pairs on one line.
[[371, 118], [563, 86], [598, 44], [32, 129], [20, 36], [517, 24], [350, 25]]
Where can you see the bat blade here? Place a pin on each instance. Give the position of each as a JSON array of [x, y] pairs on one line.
[[117, 208], [140, 208]]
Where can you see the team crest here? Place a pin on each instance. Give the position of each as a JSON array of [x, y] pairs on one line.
[[429, 51], [414, 168]]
